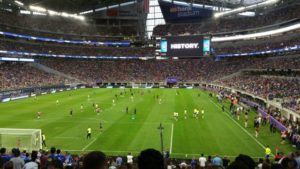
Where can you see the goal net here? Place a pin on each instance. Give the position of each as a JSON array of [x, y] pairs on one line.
[[24, 139]]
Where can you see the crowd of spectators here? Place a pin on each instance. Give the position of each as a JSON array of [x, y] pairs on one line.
[[251, 46], [57, 27], [61, 49], [231, 24], [47, 34], [268, 87], [265, 86], [293, 130], [147, 159], [186, 70], [100, 50], [21, 75]]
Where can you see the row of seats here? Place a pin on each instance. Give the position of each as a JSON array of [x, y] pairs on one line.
[[229, 25]]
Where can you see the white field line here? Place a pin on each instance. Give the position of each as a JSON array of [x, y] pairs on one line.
[[258, 142], [84, 148], [65, 138], [171, 140]]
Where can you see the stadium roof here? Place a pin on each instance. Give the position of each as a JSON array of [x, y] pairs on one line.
[[242, 2], [75, 6], [72, 6], [232, 3]]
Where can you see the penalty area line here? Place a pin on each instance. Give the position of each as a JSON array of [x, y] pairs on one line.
[[84, 148]]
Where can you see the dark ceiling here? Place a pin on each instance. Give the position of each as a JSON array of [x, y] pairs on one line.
[[72, 6]]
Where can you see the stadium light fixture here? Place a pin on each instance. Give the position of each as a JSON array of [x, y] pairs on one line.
[[108, 7], [245, 8], [19, 3], [37, 8], [38, 13], [64, 14], [86, 12], [80, 17], [257, 35], [25, 12], [112, 6], [50, 12], [100, 9]]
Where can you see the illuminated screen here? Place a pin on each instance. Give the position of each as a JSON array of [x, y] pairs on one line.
[[184, 46], [163, 46], [206, 45]]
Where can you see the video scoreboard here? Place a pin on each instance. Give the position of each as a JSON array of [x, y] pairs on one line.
[[183, 46]]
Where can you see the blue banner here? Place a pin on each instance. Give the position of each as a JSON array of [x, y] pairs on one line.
[[183, 13], [171, 80]]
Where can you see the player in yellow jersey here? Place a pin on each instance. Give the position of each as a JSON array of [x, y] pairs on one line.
[[89, 133], [268, 152]]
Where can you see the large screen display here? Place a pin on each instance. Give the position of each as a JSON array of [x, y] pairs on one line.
[[184, 46], [206, 46], [163, 46]]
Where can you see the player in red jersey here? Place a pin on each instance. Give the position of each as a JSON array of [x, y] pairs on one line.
[[256, 131]]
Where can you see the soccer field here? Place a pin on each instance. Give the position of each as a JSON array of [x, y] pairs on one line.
[[216, 133]]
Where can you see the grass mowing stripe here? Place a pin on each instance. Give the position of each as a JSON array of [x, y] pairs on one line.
[[259, 143]]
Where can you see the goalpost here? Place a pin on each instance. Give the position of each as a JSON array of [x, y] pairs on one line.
[[24, 139]]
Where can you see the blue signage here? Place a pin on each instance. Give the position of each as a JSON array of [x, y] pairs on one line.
[[183, 13]]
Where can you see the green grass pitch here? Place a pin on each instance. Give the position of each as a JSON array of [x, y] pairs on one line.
[[217, 133]]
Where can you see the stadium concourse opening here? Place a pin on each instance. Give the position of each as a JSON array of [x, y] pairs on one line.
[[149, 84]]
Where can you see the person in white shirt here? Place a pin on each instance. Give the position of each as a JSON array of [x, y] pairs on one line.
[[175, 114], [183, 164], [185, 114], [202, 161], [81, 108], [129, 158], [32, 164], [171, 166]]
